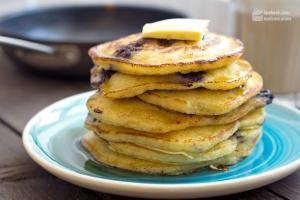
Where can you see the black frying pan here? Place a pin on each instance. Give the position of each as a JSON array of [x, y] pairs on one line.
[[68, 33]]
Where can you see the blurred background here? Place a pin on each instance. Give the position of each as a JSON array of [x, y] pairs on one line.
[[33, 75]]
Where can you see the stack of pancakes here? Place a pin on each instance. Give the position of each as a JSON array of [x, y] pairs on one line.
[[172, 107]]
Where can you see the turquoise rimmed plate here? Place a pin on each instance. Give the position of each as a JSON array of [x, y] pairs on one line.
[[52, 139]]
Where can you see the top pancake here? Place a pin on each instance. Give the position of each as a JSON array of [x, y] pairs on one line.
[[144, 56]]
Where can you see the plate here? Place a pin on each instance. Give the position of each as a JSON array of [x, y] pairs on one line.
[[52, 139]]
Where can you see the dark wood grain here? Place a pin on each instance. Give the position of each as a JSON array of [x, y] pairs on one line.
[[258, 194], [11, 150], [288, 187], [21, 178]]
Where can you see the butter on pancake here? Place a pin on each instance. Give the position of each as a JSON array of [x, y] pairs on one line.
[[146, 56], [119, 85], [178, 29]]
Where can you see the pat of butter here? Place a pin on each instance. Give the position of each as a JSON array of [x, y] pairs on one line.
[[178, 29]]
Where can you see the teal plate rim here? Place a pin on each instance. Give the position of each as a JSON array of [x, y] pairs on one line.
[[122, 187]]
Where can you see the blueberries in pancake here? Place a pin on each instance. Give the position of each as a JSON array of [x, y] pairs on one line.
[[190, 78], [193, 76], [127, 85], [165, 43], [125, 51], [266, 95], [97, 78], [97, 110], [91, 119], [238, 135], [215, 51]]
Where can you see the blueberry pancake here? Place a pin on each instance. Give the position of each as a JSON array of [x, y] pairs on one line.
[[101, 151], [136, 114], [146, 56], [172, 100], [203, 101], [119, 85]]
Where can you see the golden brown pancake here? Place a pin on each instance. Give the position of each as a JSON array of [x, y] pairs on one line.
[[144, 56], [119, 85], [100, 151], [136, 114], [253, 119], [193, 139], [246, 143], [219, 150], [203, 101]]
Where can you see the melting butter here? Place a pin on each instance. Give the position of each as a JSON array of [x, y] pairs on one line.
[[178, 29]]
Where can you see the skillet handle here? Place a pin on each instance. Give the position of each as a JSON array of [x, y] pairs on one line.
[[15, 42]]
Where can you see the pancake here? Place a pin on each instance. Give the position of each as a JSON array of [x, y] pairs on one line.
[[100, 151], [246, 143], [223, 148], [193, 139], [181, 142], [253, 119], [136, 114], [203, 101], [119, 85], [144, 56]]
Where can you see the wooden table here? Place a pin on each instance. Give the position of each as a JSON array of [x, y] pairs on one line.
[[22, 95]]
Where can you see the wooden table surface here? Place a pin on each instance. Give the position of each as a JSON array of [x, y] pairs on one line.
[[22, 95]]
